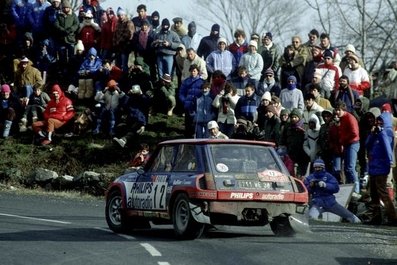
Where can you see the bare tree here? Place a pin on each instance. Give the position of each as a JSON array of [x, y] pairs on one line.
[[281, 17]]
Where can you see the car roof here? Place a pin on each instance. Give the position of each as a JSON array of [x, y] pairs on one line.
[[216, 141]]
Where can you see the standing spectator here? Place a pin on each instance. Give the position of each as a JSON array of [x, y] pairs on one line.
[[49, 18], [268, 124], [108, 27], [292, 138], [311, 107], [239, 46], [325, 44], [325, 152], [349, 138], [142, 16], [349, 50], [34, 110], [285, 65], [179, 61], [298, 62], [247, 105], [291, 97], [345, 94], [36, 19], [89, 32], [189, 91], [321, 185], [322, 102], [225, 102], [311, 143], [58, 112], [380, 160], [241, 81], [20, 13], [45, 60], [388, 86], [193, 58], [10, 110], [311, 67], [214, 132], [121, 39], [192, 39], [90, 6], [165, 44], [252, 61], [155, 21], [178, 27], [313, 36], [270, 53], [269, 83], [26, 77], [142, 41], [66, 26], [222, 60], [209, 43], [205, 112], [358, 76], [329, 74]]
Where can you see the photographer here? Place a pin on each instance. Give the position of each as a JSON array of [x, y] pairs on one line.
[[321, 185]]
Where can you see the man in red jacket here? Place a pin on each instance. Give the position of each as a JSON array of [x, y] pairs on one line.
[[349, 138], [58, 112]]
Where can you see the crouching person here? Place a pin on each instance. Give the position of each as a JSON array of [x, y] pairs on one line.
[[322, 186], [58, 112], [10, 106]]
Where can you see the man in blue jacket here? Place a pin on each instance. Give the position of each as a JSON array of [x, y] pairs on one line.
[[322, 186], [379, 146]]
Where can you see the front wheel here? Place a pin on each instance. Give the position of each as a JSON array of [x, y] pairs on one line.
[[185, 226], [281, 226], [114, 218]]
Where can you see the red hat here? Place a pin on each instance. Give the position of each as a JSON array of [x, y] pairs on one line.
[[386, 107], [5, 88]]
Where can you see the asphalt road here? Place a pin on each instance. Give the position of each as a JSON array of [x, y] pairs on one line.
[[37, 229]]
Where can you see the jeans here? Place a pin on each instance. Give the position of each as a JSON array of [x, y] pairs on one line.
[[337, 209], [164, 64], [350, 158]]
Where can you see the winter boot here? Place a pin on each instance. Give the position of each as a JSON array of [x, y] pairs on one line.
[[81, 90], [22, 124], [89, 89], [111, 127], [7, 128], [98, 127]]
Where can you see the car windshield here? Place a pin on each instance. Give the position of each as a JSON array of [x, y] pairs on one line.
[[249, 167], [239, 158]]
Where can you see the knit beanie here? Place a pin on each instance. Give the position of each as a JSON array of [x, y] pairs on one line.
[[296, 112], [267, 96], [319, 163]]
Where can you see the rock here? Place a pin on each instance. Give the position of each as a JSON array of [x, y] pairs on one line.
[[44, 175]]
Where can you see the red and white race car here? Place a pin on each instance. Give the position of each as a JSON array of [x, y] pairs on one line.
[[191, 183]]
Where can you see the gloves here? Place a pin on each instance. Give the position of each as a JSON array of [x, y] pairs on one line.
[[141, 130], [322, 184]]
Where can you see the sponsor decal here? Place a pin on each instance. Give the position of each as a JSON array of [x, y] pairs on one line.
[[181, 182], [273, 197], [147, 195], [222, 167], [205, 194], [272, 176], [241, 195]]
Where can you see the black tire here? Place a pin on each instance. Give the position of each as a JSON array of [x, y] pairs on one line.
[[114, 217], [185, 226], [281, 227]]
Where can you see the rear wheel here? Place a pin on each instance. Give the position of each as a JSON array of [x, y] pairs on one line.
[[185, 226], [281, 227], [114, 218]]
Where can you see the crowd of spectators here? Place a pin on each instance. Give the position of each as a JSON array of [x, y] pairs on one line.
[[309, 98]]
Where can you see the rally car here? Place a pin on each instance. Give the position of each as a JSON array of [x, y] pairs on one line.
[[198, 183]]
